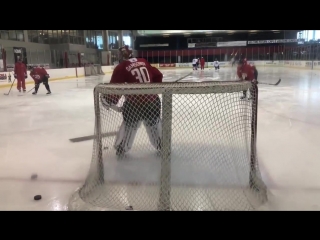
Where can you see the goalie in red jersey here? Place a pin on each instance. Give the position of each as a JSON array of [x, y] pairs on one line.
[[144, 108], [247, 72]]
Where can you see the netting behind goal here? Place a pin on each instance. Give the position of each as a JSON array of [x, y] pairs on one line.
[[207, 159], [93, 70]]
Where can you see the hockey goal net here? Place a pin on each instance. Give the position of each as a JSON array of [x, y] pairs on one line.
[[93, 70], [207, 159]]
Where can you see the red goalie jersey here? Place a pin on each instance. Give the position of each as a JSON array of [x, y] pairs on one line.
[[135, 70]]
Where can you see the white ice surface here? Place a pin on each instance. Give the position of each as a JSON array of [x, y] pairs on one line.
[[35, 133]]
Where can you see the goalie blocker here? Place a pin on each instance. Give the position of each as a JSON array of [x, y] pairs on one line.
[[136, 108]]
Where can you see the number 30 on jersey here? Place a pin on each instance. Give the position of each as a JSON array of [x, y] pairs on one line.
[[141, 74]]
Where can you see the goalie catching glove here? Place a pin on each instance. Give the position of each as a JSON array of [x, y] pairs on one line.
[[107, 103]]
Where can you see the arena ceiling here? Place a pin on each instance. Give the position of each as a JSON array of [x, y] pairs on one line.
[[193, 32]]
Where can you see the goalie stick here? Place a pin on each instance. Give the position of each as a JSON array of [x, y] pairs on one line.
[[90, 137], [274, 84]]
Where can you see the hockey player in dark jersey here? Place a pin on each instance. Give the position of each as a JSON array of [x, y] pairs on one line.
[[136, 108], [246, 72], [39, 76]]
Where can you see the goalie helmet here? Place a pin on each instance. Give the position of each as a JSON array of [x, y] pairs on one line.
[[242, 61], [125, 52]]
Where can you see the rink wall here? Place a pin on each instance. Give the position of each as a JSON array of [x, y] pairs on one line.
[[70, 73], [292, 64], [55, 74]]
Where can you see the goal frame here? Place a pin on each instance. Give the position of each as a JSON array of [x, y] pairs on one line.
[[168, 90]]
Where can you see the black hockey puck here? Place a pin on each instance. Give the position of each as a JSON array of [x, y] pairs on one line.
[[129, 208], [37, 197], [34, 176]]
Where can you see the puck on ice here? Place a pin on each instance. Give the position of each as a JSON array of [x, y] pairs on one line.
[[129, 208], [37, 197], [34, 176]]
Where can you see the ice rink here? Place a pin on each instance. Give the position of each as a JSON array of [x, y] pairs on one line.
[[35, 133]]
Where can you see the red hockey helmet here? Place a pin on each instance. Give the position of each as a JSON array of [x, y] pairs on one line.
[[125, 52]]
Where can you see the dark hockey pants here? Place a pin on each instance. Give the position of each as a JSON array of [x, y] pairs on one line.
[[45, 81]]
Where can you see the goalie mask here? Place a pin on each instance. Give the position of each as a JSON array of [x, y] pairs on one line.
[[125, 52], [242, 61]]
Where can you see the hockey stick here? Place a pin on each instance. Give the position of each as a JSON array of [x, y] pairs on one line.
[[90, 137], [183, 77], [274, 84], [10, 87], [27, 92], [31, 89]]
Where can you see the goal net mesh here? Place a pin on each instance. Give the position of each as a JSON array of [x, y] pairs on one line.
[[207, 159]]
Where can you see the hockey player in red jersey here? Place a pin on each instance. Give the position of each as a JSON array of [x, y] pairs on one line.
[[136, 108], [39, 76], [202, 62], [20, 73], [246, 72]]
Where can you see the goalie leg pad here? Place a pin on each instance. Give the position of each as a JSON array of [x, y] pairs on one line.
[[152, 122], [129, 127], [126, 135], [154, 132]]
